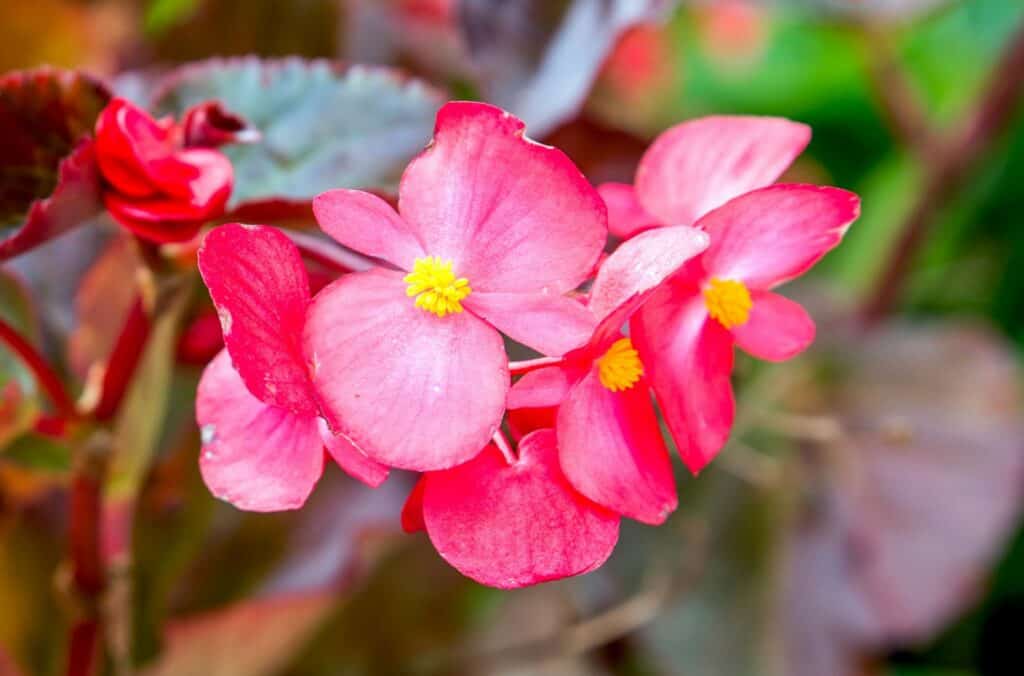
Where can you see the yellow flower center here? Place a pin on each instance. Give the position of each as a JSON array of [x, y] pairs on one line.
[[620, 367], [436, 287], [728, 301]]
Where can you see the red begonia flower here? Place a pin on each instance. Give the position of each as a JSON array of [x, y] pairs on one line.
[[685, 333], [609, 441], [152, 184], [263, 439], [510, 525], [492, 231]]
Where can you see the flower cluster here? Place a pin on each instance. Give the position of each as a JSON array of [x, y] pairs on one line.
[[404, 365]]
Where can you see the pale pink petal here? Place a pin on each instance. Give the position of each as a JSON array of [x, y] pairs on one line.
[[626, 216], [640, 264], [412, 390], [542, 388], [611, 449], [366, 223], [510, 526], [769, 236], [412, 510], [778, 328], [256, 456], [261, 291], [700, 165], [512, 214], [550, 324], [688, 358], [351, 459]]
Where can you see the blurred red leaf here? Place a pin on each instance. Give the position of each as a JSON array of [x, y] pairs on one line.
[[47, 173]]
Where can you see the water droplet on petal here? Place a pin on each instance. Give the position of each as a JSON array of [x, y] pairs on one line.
[[208, 434]]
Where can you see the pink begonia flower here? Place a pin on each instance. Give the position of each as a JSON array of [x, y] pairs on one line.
[[263, 438], [512, 524], [716, 174], [493, 230], [609, 442]]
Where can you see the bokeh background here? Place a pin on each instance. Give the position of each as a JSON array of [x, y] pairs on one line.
[[864, 520]]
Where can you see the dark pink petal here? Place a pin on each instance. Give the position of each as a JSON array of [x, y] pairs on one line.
[[769, 236], [351, 459], [778, 328], [412, 510], [366, 223], [512, 214], [257, 282], [542, 388], [550, 324], [688, 359], [640, 264], [626, 216], [410, 389], [700, 165], [510, 526], [206, 174], [256, 456], [611, 449]]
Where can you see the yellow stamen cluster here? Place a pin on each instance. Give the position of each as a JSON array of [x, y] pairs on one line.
[[728, 301], [435, 286], [620, 367]]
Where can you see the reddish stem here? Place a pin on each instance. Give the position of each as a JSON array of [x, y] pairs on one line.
[[506, 449], [45, 376], [123, 360], [518, 368], [327, 253], [83, 648], [87, 572]]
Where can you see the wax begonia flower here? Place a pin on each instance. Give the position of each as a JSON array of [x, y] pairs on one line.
[[686, 331], [152, 184], [512, 524], [492, 231], [262, 433], [609, 442]]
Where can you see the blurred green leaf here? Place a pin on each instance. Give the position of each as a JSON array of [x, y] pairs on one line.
[[19, 403], [162, 14], [40, 454], [324, 125]]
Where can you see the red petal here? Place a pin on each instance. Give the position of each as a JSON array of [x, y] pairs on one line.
[[366, 223], [778, 328], [552, 325], [257, 282], [700, 165], [510, 526], [626, 216], [412, 511], [351, 459]]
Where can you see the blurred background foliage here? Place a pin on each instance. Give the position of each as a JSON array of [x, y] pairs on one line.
[[865, 519]]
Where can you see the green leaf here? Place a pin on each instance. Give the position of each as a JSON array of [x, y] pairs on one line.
[[40, 454], [323, 125], [19, 402]]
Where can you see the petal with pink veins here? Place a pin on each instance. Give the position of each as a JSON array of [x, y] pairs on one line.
[[256, 456], [261, 291], [550, 324], [700, 165], [611, 450], [351, 459], [366, 223], [778, 328], [510, 526], [640, 264], [688, 358], [412, 390], [513, 215], [626, 216], [769, 236]]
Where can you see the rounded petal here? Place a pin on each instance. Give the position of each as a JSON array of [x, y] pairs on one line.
[[550, 324], [410, 389], [626, 216], [512, 214], [639, 265], [542, 388], [157, 220], [700, 165], [351, 459], [778, 328], [510, 526], [611, 449], [366, 223], [769, 236], [688, 359], [127, 139], [256, 456], [261, 291]]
